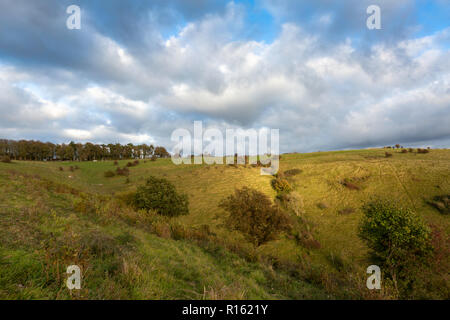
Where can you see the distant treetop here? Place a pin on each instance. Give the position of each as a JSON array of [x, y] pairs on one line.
[[37, 150]]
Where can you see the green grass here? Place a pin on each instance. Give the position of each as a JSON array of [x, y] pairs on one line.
[[43, 231], [42, 234]]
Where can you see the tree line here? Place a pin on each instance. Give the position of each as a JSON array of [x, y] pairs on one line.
[[47, 151]]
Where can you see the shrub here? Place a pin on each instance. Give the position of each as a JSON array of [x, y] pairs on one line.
[[280, 175], [441, 245], [404, 151], [135, 162], [161, 196], [6, 159], [410, 149], [422, 150], [292, 172], [307, 240], [397, 237], [178, 231], [162, 229], [153, 158], [281, 185], [72, 169], [109, 174], [441, 203], [346, 211], [61, 169], [432, 282], [201, 234], [252, 213], [322, 205], [293, 202], [122, 172], [99, 244], [125, 197], [349, 184], [388, 154], [116, 163]]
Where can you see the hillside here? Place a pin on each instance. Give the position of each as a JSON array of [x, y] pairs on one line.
[[52, 217]]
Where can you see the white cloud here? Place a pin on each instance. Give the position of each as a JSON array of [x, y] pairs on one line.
[[320, 95]]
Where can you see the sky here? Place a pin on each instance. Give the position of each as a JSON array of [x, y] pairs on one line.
[[138, 70]]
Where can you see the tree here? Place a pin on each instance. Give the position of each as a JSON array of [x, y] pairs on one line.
[[161, 152], [160, 195], [69, 152], [127, 151], [397, 237], [147, 151], [37, 150], [252, 213], [74, 150]]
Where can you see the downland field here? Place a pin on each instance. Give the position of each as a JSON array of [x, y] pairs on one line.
[[52, 216]]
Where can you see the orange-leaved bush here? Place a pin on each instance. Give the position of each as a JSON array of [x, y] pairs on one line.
[[253, 213]]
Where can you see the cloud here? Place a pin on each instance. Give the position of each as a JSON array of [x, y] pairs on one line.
[[136, 77], [338, 20]]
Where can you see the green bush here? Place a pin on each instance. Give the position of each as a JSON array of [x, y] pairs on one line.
[[252, 213], [160, 195], [399, 240]]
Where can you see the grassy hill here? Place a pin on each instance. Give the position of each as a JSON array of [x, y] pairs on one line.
[[52, 217]]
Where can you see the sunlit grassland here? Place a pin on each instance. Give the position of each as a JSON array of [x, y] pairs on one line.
[[42, 234], [156, 267]]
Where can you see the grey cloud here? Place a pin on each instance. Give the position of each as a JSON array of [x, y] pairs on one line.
[[320, 95]]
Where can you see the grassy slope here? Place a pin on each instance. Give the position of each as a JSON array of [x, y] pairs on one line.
[[42, 234], [147, 266]]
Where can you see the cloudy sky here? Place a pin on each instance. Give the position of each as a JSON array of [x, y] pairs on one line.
[[137, 70]]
